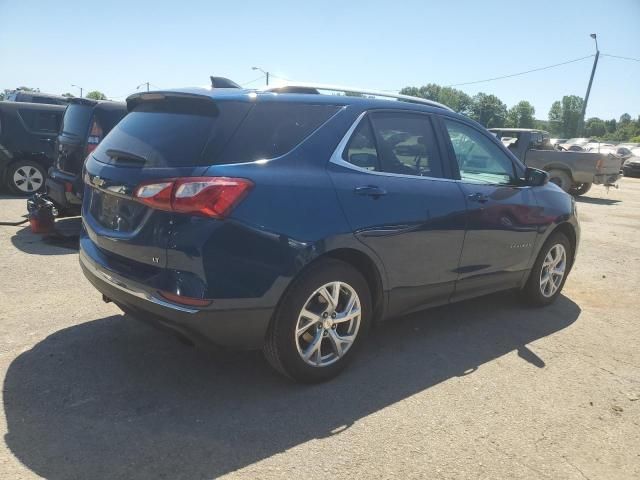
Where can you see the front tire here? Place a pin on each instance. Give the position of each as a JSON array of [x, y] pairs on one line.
[[561, 178], [25, 177], [580, 189], [319, 323], [549, 272]]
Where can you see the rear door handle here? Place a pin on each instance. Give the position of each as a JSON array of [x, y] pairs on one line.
[[370, 191], [478, 197]]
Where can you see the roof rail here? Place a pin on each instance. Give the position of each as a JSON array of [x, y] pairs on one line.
[[339, 88]]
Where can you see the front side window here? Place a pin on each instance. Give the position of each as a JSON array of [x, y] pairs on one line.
[[479, 159]]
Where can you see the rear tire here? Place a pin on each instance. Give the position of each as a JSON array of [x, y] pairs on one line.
[[580, 189], [320, 322], [25, 177], [561, 178], [545, 283]]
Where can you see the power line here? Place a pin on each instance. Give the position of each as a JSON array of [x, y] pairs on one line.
[[521, 73], [254, 80], [278, 76], [622, 58]]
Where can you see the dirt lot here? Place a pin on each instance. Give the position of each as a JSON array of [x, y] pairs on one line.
[[483, 389]]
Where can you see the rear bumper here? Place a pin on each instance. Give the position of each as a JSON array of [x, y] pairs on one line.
[[236, 328], [606, 178]]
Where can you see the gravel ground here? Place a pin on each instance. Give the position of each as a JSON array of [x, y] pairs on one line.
[[483, 389]]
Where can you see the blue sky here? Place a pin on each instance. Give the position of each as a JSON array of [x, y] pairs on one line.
[[113, 46]]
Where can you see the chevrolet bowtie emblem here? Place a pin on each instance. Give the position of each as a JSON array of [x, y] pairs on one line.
[[97, 181]]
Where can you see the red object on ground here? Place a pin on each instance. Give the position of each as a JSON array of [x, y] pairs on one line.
[[42, 221]]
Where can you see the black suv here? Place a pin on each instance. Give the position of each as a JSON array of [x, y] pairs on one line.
[[27, 137], [84, 125]]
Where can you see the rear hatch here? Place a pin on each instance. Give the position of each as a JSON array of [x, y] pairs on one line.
[[164, 136], [72, 140]]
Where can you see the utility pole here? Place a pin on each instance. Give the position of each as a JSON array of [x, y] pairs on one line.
[[143, 83], [586, 97], [263, 71], [78, 86]]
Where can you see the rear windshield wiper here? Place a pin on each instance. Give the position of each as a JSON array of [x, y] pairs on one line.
[[125, 157]]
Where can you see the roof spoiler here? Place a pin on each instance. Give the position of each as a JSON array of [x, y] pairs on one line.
[[136, 99], [222, 82]]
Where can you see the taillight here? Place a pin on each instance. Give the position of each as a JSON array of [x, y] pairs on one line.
[[95, 136], [205, 196]]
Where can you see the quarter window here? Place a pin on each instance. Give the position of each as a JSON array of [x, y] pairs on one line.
[[361, 150], [479, 159]]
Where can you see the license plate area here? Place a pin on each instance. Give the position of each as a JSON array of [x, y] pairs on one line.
[[116, 213]]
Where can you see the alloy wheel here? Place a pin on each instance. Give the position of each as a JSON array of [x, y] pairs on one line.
[[553, 270], [328, 324], [28, 179]]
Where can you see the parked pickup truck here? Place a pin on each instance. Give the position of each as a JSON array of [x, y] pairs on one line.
[[574, 172]]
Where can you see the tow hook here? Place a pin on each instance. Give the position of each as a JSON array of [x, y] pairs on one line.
[[106, 299]]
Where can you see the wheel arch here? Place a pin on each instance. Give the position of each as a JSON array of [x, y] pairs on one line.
[[369, 270], [558, 166], [568, 231], [364, 264]]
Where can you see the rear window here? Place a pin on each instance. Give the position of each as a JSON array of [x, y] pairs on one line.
[[273, 129], [185, 133], [76, 120]]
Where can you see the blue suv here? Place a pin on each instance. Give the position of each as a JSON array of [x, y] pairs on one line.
[[294, 221]]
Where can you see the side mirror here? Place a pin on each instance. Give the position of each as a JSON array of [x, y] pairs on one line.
[[535, 177]]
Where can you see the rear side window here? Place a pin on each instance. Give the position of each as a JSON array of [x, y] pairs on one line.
[[76, 120], [406, 145], [273, 129], [395, 142], [48, 122]]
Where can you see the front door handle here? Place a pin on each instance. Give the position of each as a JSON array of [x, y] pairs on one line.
[[478, 197], [370, 191]]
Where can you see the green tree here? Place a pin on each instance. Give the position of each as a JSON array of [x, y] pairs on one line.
[[565, 116], [521, 115], [595, 127], [96, 95], [28, 89], [611, 125], [67, 94], [453, 98], [488, 110], [625, 118]]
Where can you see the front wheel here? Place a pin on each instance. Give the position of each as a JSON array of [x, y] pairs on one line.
[[580, 189], [320, 322], [25, 177], [549, 272], [561, 178]]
